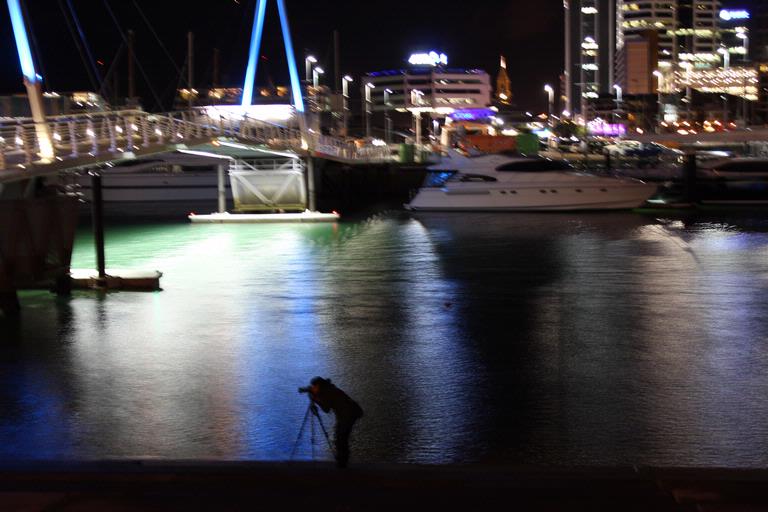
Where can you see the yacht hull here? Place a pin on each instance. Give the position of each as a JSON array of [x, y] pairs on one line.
[[618, 196]]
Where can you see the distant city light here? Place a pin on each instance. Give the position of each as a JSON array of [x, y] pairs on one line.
[[428, 59]]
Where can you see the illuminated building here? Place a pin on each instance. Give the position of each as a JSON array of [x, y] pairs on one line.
[[761, 107], [231, 96], [589, 51], [698, 31], [636, 62], [734, 24], [54, 103], [636, 17], [429, 88], [688, 30], [758, 29], [503, 85]]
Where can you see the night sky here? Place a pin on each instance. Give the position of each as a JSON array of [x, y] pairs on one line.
[[374, 36]]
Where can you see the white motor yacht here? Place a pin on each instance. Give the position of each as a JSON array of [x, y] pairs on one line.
[[503, 183]]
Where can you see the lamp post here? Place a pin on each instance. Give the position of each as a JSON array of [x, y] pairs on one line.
[[316, 76], [688, 89], [724, 97], [345, 102], [551, 102], [367, 110], [308, 62], [659, 103], [387, 119], [726, 57], [619, 98], [744, 36], [417, 100]]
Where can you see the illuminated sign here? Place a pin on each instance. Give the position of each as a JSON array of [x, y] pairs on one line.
[[472, 114], [428, 59], [601, 128], [728, 15]]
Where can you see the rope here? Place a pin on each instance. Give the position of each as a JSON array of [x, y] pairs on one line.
[[160, 42], [87, 47], [79, 46], [158, 101], [105, 81]]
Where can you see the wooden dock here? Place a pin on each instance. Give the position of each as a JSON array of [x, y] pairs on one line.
[[117, 280]]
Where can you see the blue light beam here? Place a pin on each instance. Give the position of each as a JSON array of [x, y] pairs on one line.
[[298, 100], [253, 56], [22, 42]]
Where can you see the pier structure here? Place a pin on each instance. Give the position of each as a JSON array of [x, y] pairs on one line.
[[37, 220]]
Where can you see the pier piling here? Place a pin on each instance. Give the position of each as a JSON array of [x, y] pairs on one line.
[[689, 177], [97, 209], [9, 303], [222, 189]]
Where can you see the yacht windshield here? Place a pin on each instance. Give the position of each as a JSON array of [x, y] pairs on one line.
[[538, 165], [436, 179]]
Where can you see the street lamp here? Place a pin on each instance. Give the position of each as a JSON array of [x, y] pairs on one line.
[[619, 97], [724, 97], [345, 102], [308, 63], [726, 57], [551, 104], [316, 76], [744, 36], [659, 104], [688, 89], [387, 120]]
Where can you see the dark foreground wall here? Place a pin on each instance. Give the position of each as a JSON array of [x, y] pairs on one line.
[[167, 486], [358, 188]]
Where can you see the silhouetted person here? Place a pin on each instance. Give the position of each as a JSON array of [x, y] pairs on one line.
[[347, 412]]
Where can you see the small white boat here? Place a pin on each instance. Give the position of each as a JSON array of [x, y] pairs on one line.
[[503, 183]]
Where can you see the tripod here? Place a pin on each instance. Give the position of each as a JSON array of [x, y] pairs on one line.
[[309, 417]]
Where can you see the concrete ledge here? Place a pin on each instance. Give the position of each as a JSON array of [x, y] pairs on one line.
[[160, 485], [263, 218]]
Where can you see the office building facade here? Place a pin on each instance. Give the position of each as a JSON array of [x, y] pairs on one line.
[[590, 47]]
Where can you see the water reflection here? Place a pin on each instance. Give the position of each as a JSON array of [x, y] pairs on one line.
[[555, 339]]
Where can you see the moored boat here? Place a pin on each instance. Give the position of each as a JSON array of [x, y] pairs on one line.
[[503, 183]]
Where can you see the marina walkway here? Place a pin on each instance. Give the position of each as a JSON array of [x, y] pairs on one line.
[[85, 140]]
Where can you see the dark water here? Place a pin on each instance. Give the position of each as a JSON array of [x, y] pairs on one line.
[[534, 339]]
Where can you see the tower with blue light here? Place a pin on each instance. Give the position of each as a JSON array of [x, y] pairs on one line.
[[253, 55], [32, 80]]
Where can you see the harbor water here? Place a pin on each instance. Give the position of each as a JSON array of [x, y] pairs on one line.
[[560, 339]]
